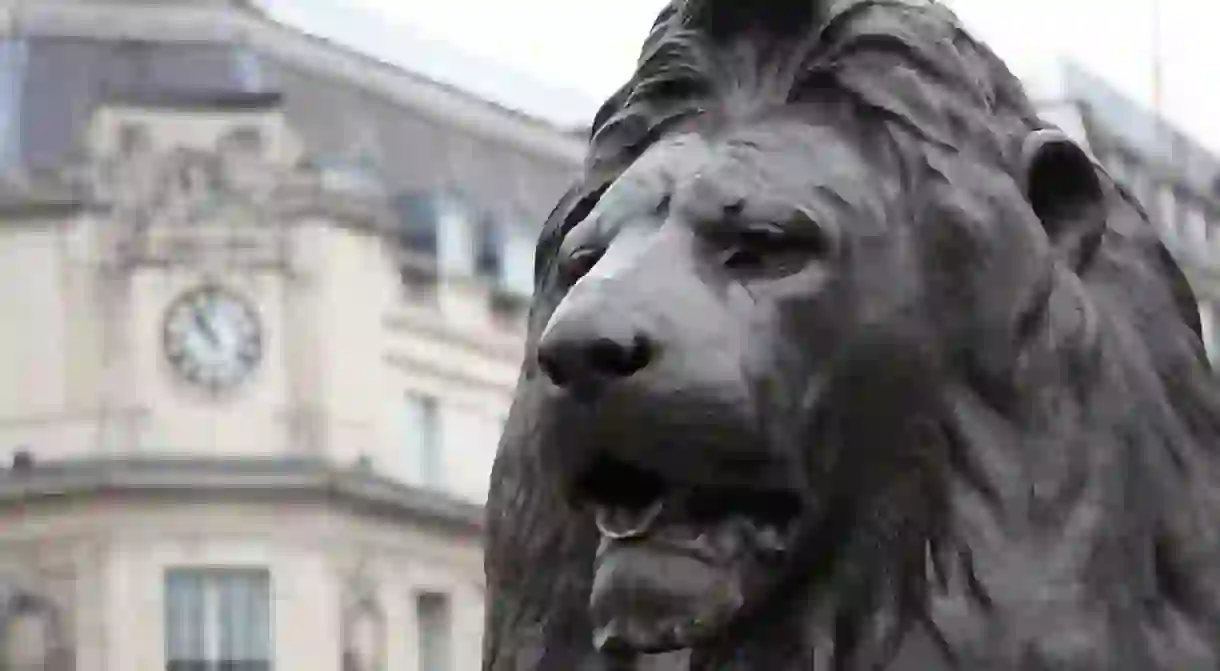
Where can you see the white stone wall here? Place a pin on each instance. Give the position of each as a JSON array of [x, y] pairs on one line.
[[106, 563], [85, 375], [52, 339], [343, 342]]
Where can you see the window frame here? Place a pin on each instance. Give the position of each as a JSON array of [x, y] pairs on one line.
[[426, 450], [445, 600], [213, 590]]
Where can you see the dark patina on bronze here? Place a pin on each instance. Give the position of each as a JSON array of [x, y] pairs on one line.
[[841, 358]]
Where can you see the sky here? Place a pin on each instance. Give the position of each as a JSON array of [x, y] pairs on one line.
[[574, 53]]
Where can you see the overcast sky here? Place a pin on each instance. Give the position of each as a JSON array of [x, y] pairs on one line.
[[589, 47]]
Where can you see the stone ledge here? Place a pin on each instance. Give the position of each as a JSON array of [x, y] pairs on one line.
[[260, 478]]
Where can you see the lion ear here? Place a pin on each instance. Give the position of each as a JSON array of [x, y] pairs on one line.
[[1062, 186]]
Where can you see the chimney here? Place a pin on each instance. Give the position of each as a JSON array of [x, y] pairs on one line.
[[23, 460]]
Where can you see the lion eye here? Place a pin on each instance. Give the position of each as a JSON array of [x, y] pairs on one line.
[[751, 248], [579, 263], [774, 250]]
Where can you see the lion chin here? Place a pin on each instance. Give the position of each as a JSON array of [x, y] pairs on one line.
[[674, 572]]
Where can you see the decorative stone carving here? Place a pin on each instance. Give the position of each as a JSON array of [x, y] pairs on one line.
[[191, 207], [363, 625]]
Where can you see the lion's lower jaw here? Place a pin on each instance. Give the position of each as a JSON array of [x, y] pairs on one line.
[[832, 599], [680, 585], [647, 600]]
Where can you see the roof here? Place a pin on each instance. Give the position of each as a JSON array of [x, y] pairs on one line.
[[402, 47], [418, 133], [201, 24]]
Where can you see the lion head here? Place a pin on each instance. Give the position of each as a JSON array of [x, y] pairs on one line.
[[840, 356]]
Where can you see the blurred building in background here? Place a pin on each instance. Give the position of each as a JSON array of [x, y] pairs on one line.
[[1174, 177], [262, 302]]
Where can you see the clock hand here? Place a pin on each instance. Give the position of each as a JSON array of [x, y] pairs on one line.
[[206, 326]]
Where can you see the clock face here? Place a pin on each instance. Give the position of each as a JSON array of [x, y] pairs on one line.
[[213, 338]]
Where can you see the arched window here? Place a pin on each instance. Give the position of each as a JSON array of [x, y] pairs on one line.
[[31, 635]]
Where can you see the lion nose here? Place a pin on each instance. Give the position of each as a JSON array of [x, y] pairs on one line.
[[581, 357]]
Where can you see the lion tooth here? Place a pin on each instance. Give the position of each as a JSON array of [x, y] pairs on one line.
[[607, 635], [619, 524], [769, 538]]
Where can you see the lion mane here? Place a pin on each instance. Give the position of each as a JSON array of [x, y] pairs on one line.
[[1083, 511]]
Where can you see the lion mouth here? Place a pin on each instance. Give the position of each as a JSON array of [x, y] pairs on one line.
[[771, 514], [676, 561]]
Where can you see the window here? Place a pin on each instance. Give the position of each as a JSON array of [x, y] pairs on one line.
[[425, 465], [134, 138], [218, 620], [417, 222], [434, 621], [27, 633], [458, 236], [490, 256], [245, 139], [12, 76], [514, 273], [506, 255], [1167, 213], [248, 70], [518, 274]]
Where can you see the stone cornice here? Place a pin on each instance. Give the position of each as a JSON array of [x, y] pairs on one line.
[[208, 101], [22, 210], [26, 198], [270, 479]]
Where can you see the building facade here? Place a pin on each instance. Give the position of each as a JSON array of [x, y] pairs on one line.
[[263, 303], [1174, 177]]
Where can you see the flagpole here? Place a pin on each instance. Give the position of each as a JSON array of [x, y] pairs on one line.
[[1158, 84], [1156, 56]]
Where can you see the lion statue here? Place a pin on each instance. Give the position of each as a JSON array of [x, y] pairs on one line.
[[840, 358]]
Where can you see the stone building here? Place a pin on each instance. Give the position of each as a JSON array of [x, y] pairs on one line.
[[262, 301], [1175, 178]]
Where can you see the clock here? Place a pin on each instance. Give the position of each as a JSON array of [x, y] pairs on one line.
[[213, 338]]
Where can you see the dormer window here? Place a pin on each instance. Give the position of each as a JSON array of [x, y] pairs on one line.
[[458, 236], [517, 242], [12, 76], [134, 138], [245, 139], [513, 276], [489, 259], [418, 222]]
